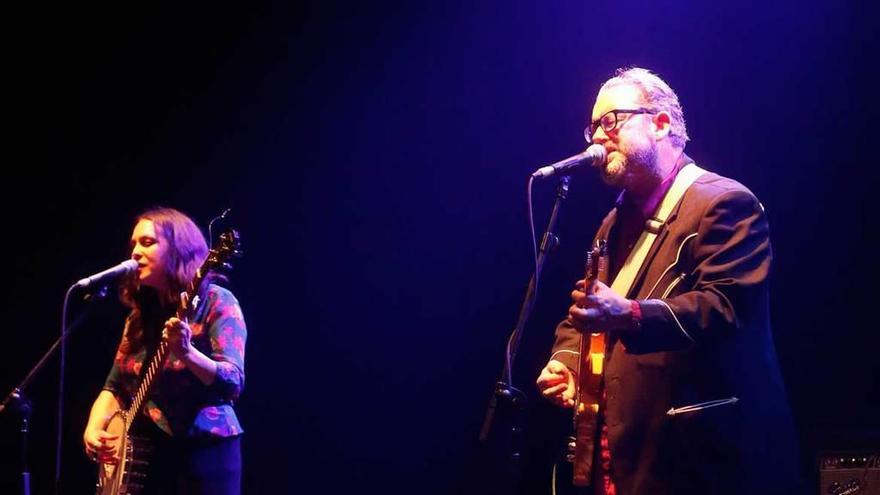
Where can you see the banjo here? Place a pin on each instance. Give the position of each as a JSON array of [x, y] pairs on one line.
[[127, 475]]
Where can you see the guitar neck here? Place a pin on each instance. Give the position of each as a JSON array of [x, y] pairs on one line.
[[589, 377]]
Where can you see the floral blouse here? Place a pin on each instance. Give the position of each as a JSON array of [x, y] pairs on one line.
[[178, 402]]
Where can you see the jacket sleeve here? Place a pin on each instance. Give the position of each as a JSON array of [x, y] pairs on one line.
[[566, 347], [731, 261]]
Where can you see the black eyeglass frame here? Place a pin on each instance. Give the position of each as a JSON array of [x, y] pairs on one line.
[[590, 131]]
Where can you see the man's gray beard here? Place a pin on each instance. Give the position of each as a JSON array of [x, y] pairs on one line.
[[647, 163]]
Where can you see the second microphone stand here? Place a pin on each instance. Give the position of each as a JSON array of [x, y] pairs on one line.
[[506, 399]]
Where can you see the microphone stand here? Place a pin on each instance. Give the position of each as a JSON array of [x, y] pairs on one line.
[[507, 399], [21, 404]]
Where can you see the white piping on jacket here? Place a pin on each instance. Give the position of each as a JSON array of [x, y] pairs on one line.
[[677, 257], [676, 320]]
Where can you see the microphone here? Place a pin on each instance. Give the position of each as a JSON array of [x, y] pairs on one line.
[[123, 268], [594, 155]]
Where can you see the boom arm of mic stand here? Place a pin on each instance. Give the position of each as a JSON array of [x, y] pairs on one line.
[[506, 397]]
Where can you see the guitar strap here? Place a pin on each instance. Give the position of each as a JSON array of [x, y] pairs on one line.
[[627, 274]]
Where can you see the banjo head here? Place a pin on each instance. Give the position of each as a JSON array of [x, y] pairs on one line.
[[111, 476]]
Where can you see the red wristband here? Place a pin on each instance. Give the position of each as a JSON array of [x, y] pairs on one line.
[[636, 312]]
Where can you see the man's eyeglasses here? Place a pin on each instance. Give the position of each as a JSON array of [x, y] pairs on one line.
[[609, 121]]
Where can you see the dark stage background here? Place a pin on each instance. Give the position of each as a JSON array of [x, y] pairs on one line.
[[375, 156]]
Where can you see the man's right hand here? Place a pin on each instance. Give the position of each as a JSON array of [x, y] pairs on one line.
[[556, 383]]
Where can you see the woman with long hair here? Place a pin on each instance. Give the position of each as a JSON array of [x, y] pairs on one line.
[[188, 417]]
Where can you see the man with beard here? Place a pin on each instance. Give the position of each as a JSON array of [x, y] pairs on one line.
[[687, 396]]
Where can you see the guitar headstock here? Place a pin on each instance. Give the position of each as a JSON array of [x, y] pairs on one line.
[[597, 259], [228, 247]]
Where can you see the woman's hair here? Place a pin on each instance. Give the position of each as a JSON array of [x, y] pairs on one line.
[[185, 252]]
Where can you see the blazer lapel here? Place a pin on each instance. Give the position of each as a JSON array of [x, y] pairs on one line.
[[655, 248]]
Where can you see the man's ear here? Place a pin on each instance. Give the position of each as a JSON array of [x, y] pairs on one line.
[[662, 125]]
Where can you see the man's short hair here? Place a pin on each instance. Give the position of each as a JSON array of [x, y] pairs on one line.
[[658, 96]]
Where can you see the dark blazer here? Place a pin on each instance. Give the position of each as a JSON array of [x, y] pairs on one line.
[[705, 335]]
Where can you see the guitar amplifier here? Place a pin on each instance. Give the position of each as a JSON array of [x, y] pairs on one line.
[[849, 473]]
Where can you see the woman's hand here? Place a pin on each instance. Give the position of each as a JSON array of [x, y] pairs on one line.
[[179, 337], [99, 445]]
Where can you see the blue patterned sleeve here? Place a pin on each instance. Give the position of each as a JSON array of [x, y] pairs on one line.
[[228, 334]]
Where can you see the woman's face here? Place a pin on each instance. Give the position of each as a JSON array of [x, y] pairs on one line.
[[148, 249]]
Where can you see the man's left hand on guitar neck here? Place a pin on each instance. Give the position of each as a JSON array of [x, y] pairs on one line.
[[603, 310]]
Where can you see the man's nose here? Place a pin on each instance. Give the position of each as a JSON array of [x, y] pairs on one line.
[[599, 137]]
